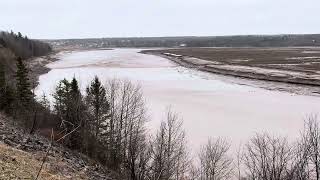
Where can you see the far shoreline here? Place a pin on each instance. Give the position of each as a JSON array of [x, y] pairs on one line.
[[310, 85]]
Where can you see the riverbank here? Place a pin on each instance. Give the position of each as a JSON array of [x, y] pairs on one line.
[[291, 70], [38, 65]]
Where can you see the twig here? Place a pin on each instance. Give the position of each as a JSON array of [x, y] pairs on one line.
[[47, 153], [48, 150], [68, 133]]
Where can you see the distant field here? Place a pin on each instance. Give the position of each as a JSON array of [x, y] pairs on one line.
[[296, 59]]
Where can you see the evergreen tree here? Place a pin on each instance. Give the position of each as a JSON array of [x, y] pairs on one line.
[[9, 98], [2, 87], [74, 88], [98, 104], [2, 76], [75, 100], [70, 108], [6, 92], [2, 42], [19, 35], [76, 117], [75, 103], [61, 97], [45, 102], [24, 93]]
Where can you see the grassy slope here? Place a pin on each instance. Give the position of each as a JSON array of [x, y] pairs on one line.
[[17, 164], [21, 155]]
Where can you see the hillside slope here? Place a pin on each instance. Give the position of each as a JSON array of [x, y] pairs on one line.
[[21, 156]]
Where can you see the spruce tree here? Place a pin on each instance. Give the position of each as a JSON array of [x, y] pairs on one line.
[[24, 93], [2, 87], [99, 106], [77, 116], [19, 35], [74, 88], [6, 91], [44, 102], [69, 107], [2, 76], [75, 103], [8, 99], [61, 97]]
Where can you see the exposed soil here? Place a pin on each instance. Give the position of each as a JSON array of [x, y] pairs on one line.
[[289, 65], [37, 66]]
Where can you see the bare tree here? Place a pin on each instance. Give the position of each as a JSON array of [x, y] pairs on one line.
[[126, 135], [300, 166], [215, 164], [308, 151], [113, 156], [238, 163], [267, 157], [194, 172], [169, 152]]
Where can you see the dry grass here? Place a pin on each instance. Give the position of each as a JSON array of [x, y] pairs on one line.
[[17, 164]]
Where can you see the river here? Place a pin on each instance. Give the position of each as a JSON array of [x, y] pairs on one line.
[[210, 105]]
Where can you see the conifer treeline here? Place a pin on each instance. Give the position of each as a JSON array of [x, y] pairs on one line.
[[22, 46], [16, 93]]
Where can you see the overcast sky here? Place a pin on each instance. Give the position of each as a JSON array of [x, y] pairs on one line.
[[124, 18]]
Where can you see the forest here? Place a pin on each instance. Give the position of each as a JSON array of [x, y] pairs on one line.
[[22, 46], [285, 40], [15, 45]]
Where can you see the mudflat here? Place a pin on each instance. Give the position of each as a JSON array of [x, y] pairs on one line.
[[298, 65]]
